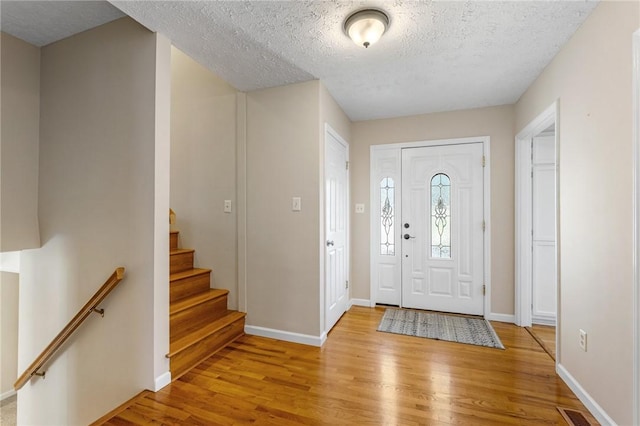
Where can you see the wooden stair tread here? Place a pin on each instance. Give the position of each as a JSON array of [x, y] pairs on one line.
[[200, 334], [180, 251], [189, 302], [188, 273]]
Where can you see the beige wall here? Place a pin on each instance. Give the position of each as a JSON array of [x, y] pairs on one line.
[[591, 76], [282, 161], [496, 122], [8, 332], [203, 168], [97, 199], [20, 89]]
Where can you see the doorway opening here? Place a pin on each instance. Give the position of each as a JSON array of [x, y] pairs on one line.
[[537, 242]]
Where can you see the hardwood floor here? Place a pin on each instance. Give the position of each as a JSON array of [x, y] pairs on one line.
[[361, 376], [546, 337]]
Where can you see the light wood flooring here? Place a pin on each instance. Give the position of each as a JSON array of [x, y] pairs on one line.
[[361, 376], [546, 337]]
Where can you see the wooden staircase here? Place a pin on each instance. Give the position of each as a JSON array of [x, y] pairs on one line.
[[200, 323]]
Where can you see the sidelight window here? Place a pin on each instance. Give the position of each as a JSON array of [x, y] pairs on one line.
[[387, 212]]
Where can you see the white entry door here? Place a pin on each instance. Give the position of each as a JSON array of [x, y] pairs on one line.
[[442, 228], [544, 276], [336, 253]]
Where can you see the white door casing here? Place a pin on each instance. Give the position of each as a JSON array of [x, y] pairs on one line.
[[442, 228], [524, 219], [336, 190], [544, 268]]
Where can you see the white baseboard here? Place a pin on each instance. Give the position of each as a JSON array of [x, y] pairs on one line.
[[287, 336], [162, 381], [543, 321], [360, 302], [593, 407], [501, 318], [7, 394]]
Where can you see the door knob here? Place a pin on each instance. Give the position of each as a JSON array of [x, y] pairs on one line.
[[329, 243], [407, 236]]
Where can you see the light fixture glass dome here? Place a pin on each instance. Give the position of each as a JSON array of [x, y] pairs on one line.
[[365, 27]]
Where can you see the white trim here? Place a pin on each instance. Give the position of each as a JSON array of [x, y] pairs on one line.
[[486, 145], [590, 403], [287, 336], [162, 381], [7, 394], [636, 226], [360, 302], [523, 207], [543, 321], [501, 317]]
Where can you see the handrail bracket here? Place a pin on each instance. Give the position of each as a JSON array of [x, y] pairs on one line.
[[98, 311], [40, 374]]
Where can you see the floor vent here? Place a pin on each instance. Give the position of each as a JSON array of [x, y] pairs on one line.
[[574, 417]]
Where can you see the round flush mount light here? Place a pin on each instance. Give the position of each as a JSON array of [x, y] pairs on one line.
[[365, 27]]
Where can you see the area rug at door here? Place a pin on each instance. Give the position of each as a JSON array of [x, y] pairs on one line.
[[432, 325]]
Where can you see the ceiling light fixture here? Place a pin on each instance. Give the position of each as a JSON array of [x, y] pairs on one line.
[[365, 27]]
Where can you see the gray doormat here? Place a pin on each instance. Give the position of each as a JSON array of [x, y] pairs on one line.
[[431, 325]]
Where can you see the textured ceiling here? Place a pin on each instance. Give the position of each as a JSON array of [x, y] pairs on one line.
[[436, 56], [43, 22]]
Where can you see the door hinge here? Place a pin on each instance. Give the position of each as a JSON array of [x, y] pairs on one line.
[[346, 284], [347, 165], [484, 161], [484, 225], [484, 289]]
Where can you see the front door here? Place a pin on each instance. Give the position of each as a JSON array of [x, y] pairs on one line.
[[443, 228], [336, 260]]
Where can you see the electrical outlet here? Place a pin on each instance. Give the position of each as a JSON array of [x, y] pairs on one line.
[[227, 206], [582, 340], [359, 208]]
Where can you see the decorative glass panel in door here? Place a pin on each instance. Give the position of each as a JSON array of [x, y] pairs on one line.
[[387, 212], [441, 216]]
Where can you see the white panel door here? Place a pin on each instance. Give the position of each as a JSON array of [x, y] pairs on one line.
[[336, 257], [442, 228], [544, 271]]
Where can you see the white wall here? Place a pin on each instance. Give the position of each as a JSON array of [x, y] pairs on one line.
[[97, 202], [591, 77], [203, 168], [496, 122], [8, 332], [20, 106]]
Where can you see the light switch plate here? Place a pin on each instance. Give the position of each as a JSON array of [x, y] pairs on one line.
[[227, 206], [296, 204], [359, 208]]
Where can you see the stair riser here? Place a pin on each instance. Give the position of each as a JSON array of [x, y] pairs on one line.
[[194, 355], [197, 316], [180, 262], [173, 240], [189, 286]]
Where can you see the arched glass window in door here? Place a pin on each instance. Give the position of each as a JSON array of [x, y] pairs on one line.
[[387, 212], [441, 216]]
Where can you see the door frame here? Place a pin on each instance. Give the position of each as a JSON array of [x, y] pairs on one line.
[[373, 221], [524, 220], [328, 130]]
